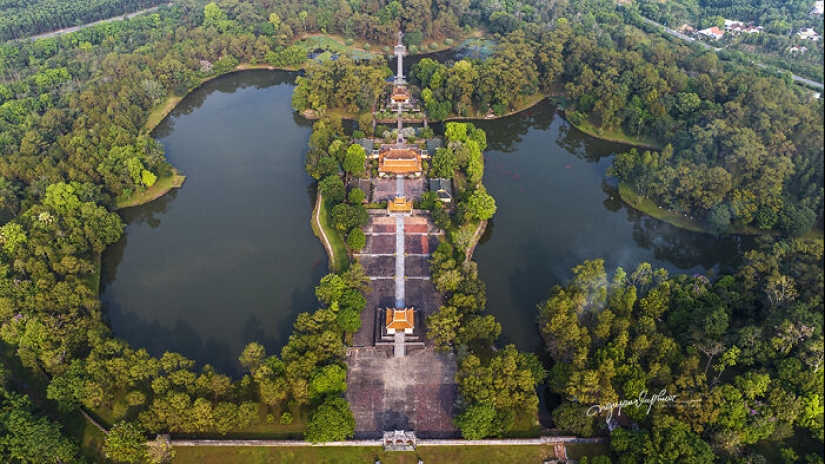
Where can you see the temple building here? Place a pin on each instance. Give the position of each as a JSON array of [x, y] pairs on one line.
[[400, 205], [400, 95], [399, 160], [400, 320]]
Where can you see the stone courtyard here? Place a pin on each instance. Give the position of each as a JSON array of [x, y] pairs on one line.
[[416, 392]]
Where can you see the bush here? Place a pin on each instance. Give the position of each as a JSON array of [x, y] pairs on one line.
[[356, 239], [719, 220], [367, 46], [349, 41], [286, 418], [448, 41], [572, 418], [796, 221], [356, 196], [433, 45]]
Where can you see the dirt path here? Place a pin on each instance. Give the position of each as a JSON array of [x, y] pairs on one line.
[[316, 217]]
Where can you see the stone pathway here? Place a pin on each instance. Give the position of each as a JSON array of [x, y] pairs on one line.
[[399, 261]]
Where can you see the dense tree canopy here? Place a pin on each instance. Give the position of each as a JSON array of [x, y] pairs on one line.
[[722, 351]]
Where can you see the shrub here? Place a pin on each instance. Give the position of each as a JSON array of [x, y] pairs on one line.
[[349, 41], [286, 418], [356, 239], [448, 41], [367, 46], [433, 45]]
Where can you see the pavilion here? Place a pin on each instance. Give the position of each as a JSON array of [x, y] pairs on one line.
[[400, 205], [400, 320]]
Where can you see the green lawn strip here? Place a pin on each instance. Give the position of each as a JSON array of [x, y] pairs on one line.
[[161, 187], [339, 261], [526, 426], [615, 136], [360, 455], [334, 44], [579, 450], [649, 207], [264, 429]]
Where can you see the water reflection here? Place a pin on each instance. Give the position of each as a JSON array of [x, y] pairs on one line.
[[556, 209], [230, 258]]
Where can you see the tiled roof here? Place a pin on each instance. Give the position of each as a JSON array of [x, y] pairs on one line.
[[400, 318]]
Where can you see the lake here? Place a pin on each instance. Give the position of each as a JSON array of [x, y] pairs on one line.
[[230, 258], [556, 209]]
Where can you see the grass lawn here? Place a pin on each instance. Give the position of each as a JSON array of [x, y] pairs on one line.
[[616, 136], [159, 189], [363, 455], [526, 426], [334, 44], [322, 219], [579, 450], [649, 207]]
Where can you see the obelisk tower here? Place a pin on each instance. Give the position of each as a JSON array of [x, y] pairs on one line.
[[400, 52]]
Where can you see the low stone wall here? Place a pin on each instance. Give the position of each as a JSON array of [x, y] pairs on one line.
[[419, 442]]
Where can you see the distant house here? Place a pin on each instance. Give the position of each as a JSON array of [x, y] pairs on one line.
[[443, 188], [797, 49], [737, 27], [808, 33], [818, 8], [713, 32]]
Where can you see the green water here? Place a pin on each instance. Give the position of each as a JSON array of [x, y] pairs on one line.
[[230, 258], [556, 209]]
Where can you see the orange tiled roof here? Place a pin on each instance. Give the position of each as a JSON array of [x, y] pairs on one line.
[[400, 94], [399, 160], [400, 204], [400, 318]]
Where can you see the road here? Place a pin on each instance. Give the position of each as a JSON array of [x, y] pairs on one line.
[[691, 39], [102, 21]]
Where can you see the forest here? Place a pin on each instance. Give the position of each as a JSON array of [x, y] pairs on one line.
[[23, 19], [741, 354], [736, 146]]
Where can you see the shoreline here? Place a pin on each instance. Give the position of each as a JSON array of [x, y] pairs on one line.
[[156, 116], [613, 136], [648, 207]]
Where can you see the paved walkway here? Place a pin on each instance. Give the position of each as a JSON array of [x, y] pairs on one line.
[[399, 261], [378, 442], [399, 248]]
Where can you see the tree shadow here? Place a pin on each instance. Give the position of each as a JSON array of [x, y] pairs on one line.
[[180, 338]]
